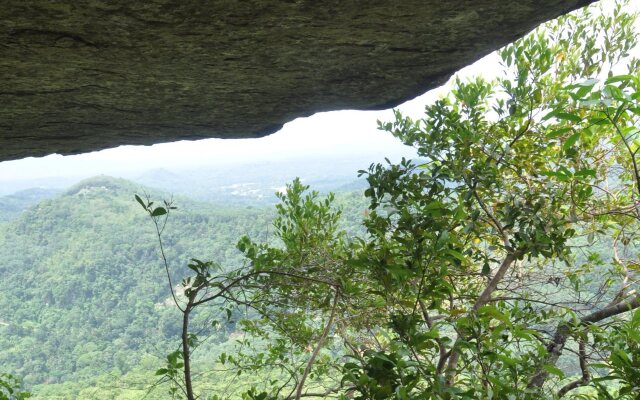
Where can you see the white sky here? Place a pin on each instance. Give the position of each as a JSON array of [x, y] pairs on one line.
[[338, 134]]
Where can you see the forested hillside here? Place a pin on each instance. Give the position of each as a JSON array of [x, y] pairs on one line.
[[83, 290], [501, 264]]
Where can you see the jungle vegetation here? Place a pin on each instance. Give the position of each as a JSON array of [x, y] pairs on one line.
[[501, 264]]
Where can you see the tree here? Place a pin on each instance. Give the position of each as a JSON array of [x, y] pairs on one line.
[[486, 246], [279, 283], [501, 264], [11, 388]]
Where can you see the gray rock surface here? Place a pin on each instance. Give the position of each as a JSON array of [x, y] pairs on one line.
[[83, 75]]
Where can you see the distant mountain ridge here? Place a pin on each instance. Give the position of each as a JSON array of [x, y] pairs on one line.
[[12, 186], [248, 183], [255, 183]]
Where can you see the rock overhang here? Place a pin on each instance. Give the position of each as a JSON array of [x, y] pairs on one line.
[[85, 75]]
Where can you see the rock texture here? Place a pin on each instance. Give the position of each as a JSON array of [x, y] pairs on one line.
[[83, 75]]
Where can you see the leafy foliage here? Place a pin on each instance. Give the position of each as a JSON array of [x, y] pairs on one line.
[[474, 273], [10, 388], [476, 245], [85, 311], [501, 265]]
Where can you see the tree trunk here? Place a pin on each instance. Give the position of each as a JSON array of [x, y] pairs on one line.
[[482, 300], [185, 353]]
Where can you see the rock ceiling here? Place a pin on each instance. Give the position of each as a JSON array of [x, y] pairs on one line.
[[83, 75]]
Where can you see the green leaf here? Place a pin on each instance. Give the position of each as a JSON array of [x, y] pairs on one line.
[[588, 83], [139, 200], [486, 269], [571, 140], [493, 312], [583, 91], [435, 205], [382, 357], [558, 132], [591, 102], [619, 78], [550, 115], [159, 211], [457, 254], [568, 117], [586, 172], [508, 361], [552, 369]]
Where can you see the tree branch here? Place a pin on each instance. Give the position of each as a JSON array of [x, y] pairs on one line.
[[248, 275], [482, 300], [319, 345], [586, 376], [555, 347]]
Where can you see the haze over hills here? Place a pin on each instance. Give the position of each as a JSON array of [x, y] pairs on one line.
[[246, 183], [255, 183]]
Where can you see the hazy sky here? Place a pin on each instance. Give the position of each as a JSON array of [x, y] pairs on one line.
[[338, 133]]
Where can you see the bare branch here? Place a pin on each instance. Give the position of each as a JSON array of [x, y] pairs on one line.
[[584, 367], [319, 345]]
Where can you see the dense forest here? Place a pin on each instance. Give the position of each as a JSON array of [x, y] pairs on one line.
[[500, 264], [83, 295], [84, 311], [85, 307]]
